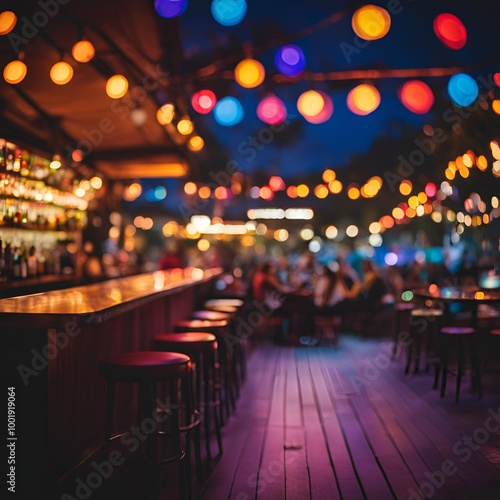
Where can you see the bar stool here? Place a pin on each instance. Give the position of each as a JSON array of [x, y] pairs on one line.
[[219, 329], [211, 315], [233, 308], [223, 302], [428, 316], [202, 349], [234, 344], [149, 369], [402, 311], [459, 335]]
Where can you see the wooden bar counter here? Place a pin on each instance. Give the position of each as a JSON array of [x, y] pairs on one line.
[[52, 344]]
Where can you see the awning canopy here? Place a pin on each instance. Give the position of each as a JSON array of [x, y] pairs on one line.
[[120, 137]]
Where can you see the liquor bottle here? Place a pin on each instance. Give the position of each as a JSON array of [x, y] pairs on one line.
[[40, 264], [3, 157], [32, 264], [24, 264], [17, 264], [8, 260], [2, 262]]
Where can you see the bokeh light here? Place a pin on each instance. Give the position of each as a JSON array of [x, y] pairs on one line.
[[450, 31], [391, 259], [331, 232], [325, 114], [430, 189], [190, 188], [462, 89], [228, 111], [185, 126], [417, 96], [61, 73], [83, 51], [276, 183], [203, 245], [352, 231], [15, 72], [405, 188], [371, 22], [310, 103], [363, 99], [249, 73], [290, 60], [203, 101], [170, 8], [116, 86], [8, 21], [228, 12], [272, 110], [165, 114], [196, 143], [321, 191]]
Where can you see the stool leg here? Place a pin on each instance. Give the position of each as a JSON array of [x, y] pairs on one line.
[[206, 409], [196, 433], [460, 366], [187, 393], [213, 398], [218, 388], [110, 407], [176, 440], [444, 367]]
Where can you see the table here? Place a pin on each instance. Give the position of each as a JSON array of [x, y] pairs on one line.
[[471, 296]]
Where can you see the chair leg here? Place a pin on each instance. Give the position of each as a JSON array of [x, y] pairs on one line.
[[436, 376], [418, 351], [409, 351], [396, 334]]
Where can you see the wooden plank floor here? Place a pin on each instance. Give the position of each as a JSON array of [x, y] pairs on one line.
[[344, 422]]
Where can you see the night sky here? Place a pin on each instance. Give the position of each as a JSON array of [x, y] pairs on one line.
[[410, 43]]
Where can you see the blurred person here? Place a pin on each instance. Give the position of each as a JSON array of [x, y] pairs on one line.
[[89, 267], [347, 273], [330, 293], [171, 258], [395, 282], [367, 295], [265, 286], [281, 300]]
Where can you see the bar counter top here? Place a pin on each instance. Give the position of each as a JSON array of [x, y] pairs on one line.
[[103, 300]]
